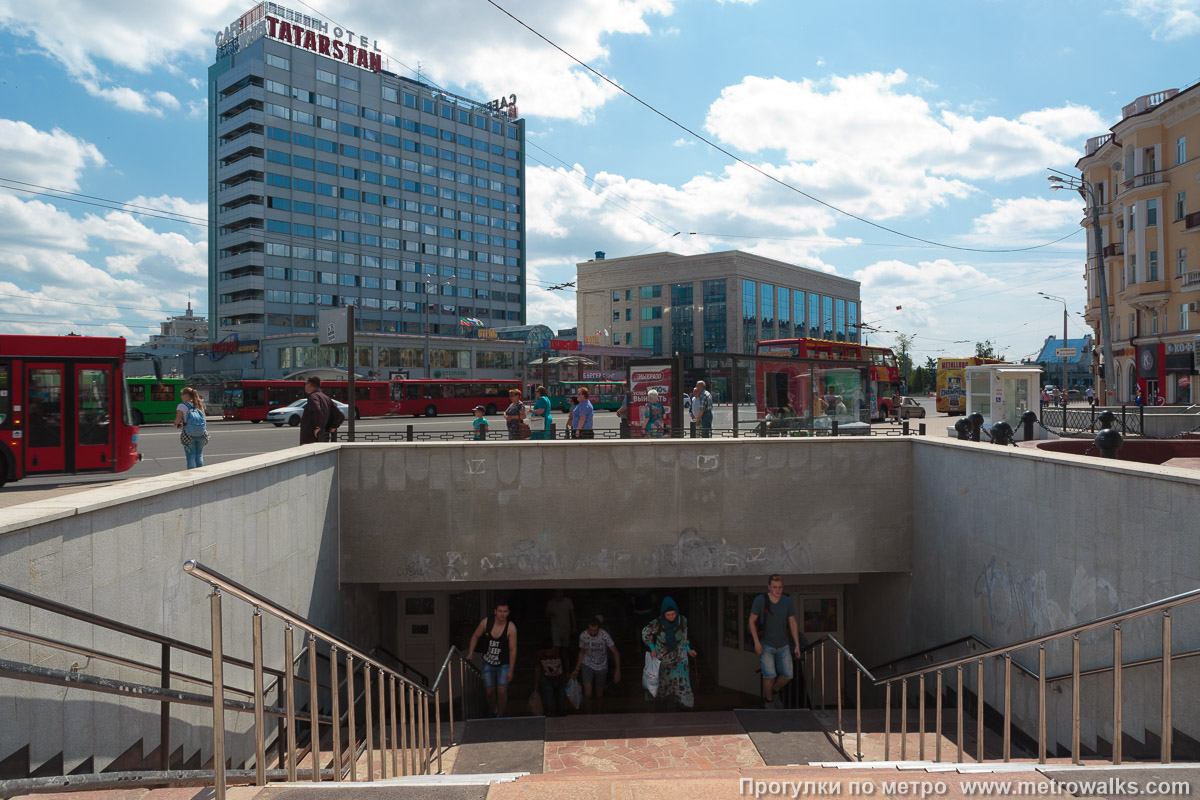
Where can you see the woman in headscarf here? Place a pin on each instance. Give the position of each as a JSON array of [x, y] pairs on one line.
[[667, 638]]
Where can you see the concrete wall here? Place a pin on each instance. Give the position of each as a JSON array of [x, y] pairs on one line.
[[1010, 544], [269, 522], [488, 513]]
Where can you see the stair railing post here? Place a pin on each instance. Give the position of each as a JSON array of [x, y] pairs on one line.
[[840, 729], [260, 733], [1075, 701], [1166, 687], [904, 719], [887, 721], [1041, 736], [937, 720], [960, 713], [314, 710], [979, 711], [164, 712], [352, 734], [858, 753], [1117, 687], [437, 717], [383, 764], [335, 705], [921, 716], [395, 740], [218, 696], [370, 715], [1007, 707], [290, 705]]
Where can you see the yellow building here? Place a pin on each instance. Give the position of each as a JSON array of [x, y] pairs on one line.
[[1146, 181]]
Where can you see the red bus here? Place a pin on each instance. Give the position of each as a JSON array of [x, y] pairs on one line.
[[252, 399], [883, 375], [433, 396], [64, 406]]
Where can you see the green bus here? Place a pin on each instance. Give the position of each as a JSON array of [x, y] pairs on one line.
[[154, 401], [605, 395]]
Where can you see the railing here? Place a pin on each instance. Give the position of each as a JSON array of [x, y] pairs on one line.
[[1192, 220], [1192, 277], [1114, 249], [1096, 142], [1147, 102], [414, 741], [746, 430], [162, 692], [1129, 420], [1005, 653], [818, 662], [1144, 179]]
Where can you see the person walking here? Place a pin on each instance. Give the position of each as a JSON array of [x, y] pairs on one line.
[[667, 638], [550, 674], [499, 655], [772, 617], [702, 409], [514, 415], [1091, 396], [656, 414], [595, 646], [581, 416], [541, 410], [317, 410], [193, 427], [560, 610]]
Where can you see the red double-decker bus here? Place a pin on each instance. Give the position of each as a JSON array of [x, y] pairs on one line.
[[434, 396], [883, 372], [252, 399], [64, 407]]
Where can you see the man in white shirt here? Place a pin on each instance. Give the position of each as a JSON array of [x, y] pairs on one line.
[[595, 645]]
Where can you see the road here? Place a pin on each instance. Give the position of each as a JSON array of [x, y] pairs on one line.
[[161, 452]]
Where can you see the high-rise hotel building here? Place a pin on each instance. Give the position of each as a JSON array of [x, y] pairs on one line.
[[335, 182]]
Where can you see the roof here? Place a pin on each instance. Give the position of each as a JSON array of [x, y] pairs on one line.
[[1083, 348]]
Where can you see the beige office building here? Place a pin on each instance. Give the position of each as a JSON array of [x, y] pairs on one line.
[[712, 303], [1146, 177]]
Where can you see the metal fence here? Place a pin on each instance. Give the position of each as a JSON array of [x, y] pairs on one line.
[[754, 431]]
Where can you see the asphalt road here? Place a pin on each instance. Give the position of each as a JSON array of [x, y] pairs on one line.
[[162, 453]]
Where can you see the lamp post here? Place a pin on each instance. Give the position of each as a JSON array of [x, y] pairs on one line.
[[1088, 192], [1064, 361], [428, 284]]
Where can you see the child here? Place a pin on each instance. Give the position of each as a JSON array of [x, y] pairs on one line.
[[480, 424]]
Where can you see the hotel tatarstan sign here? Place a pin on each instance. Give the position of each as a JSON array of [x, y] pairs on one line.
[[299, 30]]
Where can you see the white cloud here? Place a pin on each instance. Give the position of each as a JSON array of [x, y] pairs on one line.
[[916, 288], [1022, 220], [53, 158], [820, 61], [671, 31], [1167, 19], [683, 142], [166, 100]]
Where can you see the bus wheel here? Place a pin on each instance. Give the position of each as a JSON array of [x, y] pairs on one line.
[[137, 418], [431, 411], [255, 421], [3, 472], [357, 413], [491, 409], [294, 420]]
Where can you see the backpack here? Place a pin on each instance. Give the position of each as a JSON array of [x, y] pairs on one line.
[[193, 421], [760, 624], [336, 417]]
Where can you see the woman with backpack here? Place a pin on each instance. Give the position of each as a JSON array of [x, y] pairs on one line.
[[193, 428]]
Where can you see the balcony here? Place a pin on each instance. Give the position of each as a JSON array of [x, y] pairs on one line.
[[249, 168], [1114, 249], [1152, 178], [1147, 102], [1096, 142], [1191, 222], [1146, 290], [1191, 278], [254, 94]]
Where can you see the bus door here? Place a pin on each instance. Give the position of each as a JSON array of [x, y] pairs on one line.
[[45, 441], [93, 416]]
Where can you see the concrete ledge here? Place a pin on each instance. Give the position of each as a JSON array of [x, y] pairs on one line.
[[88, 500]]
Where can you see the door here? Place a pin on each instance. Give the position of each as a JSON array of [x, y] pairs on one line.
[[45, 440], [93, 413], [423, 631]]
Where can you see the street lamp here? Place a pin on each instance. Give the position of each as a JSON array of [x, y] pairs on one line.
[[435, 286], [1088, 192], [1064, 361]]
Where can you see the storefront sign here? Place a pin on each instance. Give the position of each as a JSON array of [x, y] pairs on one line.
[[564, 344], [602, 375], [1147, 361], [229, 345], [451, 373], [1179, 347], [486, 333], [506, 104]]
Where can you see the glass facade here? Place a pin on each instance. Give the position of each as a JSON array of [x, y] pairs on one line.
[[652, 339], [840, 319], [798, 306], [784, 297], [749, 316], [854, 332], [768, 311], [715, 338], [683, 336], [827, 331], [814, 315]]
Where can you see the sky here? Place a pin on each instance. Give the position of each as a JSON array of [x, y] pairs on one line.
[[829, 135]]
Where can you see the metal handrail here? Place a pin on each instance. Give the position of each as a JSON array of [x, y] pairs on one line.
[[859, 671], [404, 665], [412, 698], [1114, 620], [968, 638]]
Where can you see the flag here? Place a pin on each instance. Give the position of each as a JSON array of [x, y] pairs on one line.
[[606, 331], [470, 322]]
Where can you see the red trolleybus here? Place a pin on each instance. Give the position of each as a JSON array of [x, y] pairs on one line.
[[252, 399], [64, 406], [433, 396], [883, 377]]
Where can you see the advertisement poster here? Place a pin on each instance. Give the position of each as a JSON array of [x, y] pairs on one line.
[[646, 420]]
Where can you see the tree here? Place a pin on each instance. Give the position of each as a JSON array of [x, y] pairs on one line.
[[986, 349], [904, 343]]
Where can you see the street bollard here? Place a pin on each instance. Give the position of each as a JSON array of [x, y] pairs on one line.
[[1109, 441], [408, 433], [976, 421], [904, 428], [963, 428], [1106, 419], [920, 429], [1027, 419], [1001, 432], [833, 428], [554, 430]]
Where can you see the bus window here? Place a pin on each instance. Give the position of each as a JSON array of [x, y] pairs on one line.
[[164, 392], [5, 397], [137, 392], [45, 408]]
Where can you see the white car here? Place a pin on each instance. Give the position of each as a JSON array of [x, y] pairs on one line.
[[290, 414], [910, 408]]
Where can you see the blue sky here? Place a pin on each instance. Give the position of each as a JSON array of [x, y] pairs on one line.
[[934, 119]]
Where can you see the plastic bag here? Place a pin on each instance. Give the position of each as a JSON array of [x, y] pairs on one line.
[[650, 674], [575, 692], [535, 704]]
